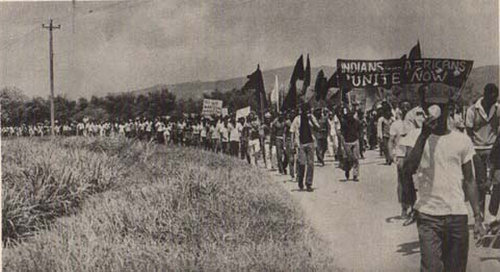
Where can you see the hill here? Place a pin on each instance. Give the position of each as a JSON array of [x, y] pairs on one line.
[[195, 89], [478, 78]]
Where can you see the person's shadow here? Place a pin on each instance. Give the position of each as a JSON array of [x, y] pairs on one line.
[[490, 258], [304, 190], [409, 248], [390, 219]]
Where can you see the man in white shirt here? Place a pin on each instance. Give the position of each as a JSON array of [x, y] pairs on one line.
[[440, 161], [203, 134], [160, 129], [332, 136], [398, 131], [383, 128], [224, 136], [482, 125], [215, 136], [196, 133], [234, 137]]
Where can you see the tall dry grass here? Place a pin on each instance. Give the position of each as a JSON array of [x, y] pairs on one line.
[[43, 180], [179, 209]]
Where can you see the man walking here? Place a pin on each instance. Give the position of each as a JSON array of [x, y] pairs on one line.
[[398, 130], [495, 176], [244, 138], [322, 135], [442, 163], [350, 136], [289, 145], [235, 129], [482, 125], [302, 136], [385, 125], [278, 133]]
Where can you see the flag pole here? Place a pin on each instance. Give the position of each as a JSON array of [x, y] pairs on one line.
[[278, 103], [261, 107]]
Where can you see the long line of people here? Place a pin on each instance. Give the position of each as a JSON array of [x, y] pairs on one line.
[[291, 142]]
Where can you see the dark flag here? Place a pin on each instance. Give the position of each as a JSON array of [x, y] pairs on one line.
[[415, 52], [333, 81], [290, 101], [320, 87], [256, 82], [307, 76], [345, 96]]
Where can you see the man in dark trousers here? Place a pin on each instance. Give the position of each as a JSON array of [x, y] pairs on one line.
[[350, 136], [289, 145], [495, 176], [322, 135], [440, 161], [482, 123], [303, 137], [278, 133]]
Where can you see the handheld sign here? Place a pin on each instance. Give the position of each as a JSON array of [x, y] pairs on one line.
[[211, 107], [244, 112]]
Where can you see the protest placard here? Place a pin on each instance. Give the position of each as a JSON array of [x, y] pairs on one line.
[[244, 112], [369, 73], [452, 72], [211, 107], [224, 112], [391, 72]]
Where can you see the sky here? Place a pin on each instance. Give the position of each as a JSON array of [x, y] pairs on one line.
[[106, 47]]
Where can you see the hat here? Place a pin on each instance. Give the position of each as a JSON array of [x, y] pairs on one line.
[[439, 93]]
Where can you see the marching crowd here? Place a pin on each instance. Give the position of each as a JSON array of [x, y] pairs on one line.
[[443, 155]]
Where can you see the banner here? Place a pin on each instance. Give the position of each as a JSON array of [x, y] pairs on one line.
[[224, 112], [369, 73], [391, 72], [211, 107], [244, 112], [452, 72]]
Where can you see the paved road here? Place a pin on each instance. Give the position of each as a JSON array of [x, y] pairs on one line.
[[360, 220]]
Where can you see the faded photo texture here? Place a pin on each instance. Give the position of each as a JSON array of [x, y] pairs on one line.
[[250, 135]]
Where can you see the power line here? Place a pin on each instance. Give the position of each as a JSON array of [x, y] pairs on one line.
[[74, 17]]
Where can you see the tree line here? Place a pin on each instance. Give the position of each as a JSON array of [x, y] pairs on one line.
[[17, 108]]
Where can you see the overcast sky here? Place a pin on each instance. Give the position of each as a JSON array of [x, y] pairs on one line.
[[119, 46]]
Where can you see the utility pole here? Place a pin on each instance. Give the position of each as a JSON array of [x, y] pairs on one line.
[[50, 27]]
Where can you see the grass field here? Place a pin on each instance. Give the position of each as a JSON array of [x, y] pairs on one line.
[[80, 204]]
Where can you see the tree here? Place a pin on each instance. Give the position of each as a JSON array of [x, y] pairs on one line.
[[82, 104], [64, 109], [12, 102]]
